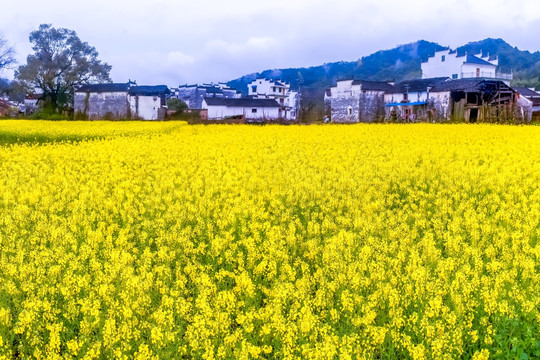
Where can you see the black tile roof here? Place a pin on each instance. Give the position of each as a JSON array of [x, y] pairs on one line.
[[469, 85], [242, 102], [99, 88], [374, 85], [472, 59], [526, 92], [417, 85], [149, 90]]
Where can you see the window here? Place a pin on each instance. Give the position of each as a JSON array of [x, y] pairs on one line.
[[253, 111], [254, 88], [274, 89], [443, 58], [454, 76], [349, 110]]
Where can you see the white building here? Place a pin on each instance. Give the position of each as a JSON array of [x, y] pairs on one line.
[[193, 95], [289, 101], [148, 102], [447, 63], [529, 100], [244, 108], [408, 100], [120, 101], [351, 101]]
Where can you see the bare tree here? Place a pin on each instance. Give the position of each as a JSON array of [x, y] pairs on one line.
[[7, 53]]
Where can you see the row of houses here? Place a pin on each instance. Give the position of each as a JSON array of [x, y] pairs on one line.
[[453, 87], [266, 100]]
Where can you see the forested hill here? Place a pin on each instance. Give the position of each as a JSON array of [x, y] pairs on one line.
[[400, 63]]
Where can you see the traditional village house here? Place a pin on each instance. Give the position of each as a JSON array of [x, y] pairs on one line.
[[242, 109], [120, 101], [193, 95], [31, 103], [529, 100], [148, 102], [102, 101], [262, 88], [449, 63], [6, 108], [352, 101], [474, 101], [408, 100]]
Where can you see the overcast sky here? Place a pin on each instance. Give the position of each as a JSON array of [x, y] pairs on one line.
[[175, 41]]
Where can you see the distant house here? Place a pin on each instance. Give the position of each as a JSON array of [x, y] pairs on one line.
[[5, 108], [102, 101], [193, 95], [120, 101], [448, 63], [31, 103], [408, 100], [529, 99], [262, 88], [148, 102], [474, 100], [243, 108], [352, 101]]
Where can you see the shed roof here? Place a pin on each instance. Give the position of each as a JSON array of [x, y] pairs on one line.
[[242, 102], [470, 85], [526, 92]]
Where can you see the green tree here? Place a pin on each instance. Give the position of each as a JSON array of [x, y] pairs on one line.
[[7, 54], [176, 105], [60, 62]]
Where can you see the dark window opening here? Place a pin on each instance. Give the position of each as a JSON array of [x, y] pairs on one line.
[[253, 111], [443, 58]]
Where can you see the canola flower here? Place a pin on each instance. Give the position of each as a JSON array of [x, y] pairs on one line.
[[162, 240]]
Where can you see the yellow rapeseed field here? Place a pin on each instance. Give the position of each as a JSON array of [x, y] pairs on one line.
[[168, 241]]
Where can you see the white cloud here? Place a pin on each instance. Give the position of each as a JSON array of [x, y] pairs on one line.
[[166, 41], [175, 58]]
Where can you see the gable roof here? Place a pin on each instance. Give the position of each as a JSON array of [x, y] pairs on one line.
[[242, 102], [470, 85], [417, 85], [472, 59], [149, 90], [374, 85], [526, 92], [99, 88]]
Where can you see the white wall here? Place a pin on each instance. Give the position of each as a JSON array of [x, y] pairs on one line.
[[221, 112], [469, 70], [266, 88], [147, 108], [292, 102], [413, 97], [454, 65], [435, 67]]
